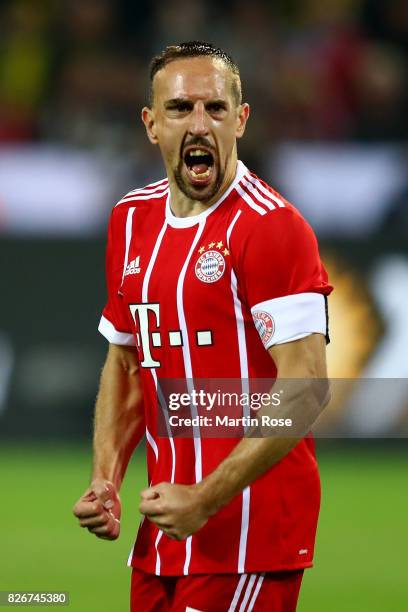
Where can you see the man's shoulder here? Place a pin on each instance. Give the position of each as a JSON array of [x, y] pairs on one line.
[[260, 205], [141, 196]]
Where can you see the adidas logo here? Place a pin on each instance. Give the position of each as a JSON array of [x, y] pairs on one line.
[[133, 267]]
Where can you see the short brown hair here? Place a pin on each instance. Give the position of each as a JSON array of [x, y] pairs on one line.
[[195, 48]]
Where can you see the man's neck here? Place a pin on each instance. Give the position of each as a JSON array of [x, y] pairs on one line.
[[183, 206]]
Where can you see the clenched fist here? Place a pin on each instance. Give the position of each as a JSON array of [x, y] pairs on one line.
[[176, 509], [99, 509]]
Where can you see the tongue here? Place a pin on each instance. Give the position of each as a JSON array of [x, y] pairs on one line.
[[200, 168]]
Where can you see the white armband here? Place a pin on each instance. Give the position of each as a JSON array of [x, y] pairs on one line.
[[290, 318]]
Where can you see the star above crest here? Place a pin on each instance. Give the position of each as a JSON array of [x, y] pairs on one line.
[[213, 245]]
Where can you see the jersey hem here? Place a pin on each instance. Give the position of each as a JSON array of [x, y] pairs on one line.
[[108, 331]]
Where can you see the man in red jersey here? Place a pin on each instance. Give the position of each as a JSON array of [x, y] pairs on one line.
[[211, 274]]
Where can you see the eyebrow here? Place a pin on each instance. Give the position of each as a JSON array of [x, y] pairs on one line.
[[174, 102], [219, 101]]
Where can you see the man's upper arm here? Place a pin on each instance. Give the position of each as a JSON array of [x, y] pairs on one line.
[[304, 358], [302, 373], [123, 357]]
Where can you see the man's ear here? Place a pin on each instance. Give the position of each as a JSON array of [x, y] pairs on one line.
[[149, 123], [243, 114]]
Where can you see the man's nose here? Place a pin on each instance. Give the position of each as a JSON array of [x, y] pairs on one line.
[[198, 120]]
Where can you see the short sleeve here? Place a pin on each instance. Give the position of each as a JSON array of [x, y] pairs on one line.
[[282, 278], [115, 321]]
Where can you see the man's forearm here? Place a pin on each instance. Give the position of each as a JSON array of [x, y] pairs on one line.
[[254, 454], [119, 421]]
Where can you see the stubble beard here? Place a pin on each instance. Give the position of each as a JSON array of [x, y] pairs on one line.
[[194, 193]]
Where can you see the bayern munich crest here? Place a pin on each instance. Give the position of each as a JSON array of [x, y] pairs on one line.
[[210, 266], [264, 324]]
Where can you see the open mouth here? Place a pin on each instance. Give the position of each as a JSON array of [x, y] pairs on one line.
[[199, 163]]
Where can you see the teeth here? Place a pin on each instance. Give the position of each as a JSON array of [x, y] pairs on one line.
[[202, 175], [197, 153]]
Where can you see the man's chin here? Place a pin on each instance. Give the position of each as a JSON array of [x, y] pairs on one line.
[[201, 194], [194, 190]]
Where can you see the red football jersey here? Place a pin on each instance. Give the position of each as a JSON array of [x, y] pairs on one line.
[[204, 297]]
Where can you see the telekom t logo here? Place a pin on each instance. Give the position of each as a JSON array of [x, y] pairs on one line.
[[147, 338]]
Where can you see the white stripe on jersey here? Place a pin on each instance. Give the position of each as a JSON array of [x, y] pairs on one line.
[[145, 191], [156, 544], [248, 199], [231, 226], [264, 190], [152, 443], [246, 498], [149, 187], [256, 592], [239, 319], [129, 561], [188, 555], [151, 263], [173, 462], [128, 236], [186, 346], [150, 196], [247, 592], [237, 593], [257, 194], [162, 402], [243, 363], [145, 293], [189, 371]]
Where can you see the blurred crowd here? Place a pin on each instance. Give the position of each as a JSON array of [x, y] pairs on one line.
[[327, 84], [76, 70]]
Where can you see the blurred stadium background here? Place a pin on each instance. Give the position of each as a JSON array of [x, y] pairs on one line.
[[327, 83]]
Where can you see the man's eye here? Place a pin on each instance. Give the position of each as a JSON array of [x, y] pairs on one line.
[[183, 107], [215, 107]]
